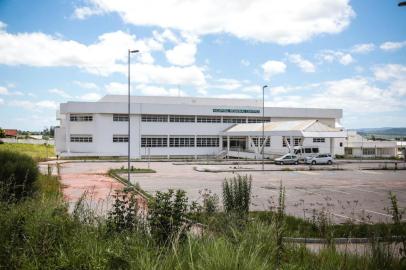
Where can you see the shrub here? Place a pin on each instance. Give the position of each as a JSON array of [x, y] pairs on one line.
[[237, 195], [17, 175], [168, 213], [210, 201], [124, 215]]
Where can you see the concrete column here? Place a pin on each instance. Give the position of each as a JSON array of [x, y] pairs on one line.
[[228, 143]]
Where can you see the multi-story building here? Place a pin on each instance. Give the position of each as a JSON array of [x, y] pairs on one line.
[[185, 127]]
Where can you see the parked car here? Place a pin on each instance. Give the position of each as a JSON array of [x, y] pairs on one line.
[[320, 159], [287, 159]]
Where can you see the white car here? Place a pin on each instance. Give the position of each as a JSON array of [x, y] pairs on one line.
[[320, 159], [287, 159]]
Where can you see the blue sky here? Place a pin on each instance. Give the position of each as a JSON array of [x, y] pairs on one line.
[[316, 53]]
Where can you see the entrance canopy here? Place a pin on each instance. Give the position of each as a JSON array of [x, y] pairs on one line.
[[301, 128]]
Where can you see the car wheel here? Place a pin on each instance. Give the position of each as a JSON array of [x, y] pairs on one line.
[[296, 162], [282, 163], [313, 162], [329, 162]]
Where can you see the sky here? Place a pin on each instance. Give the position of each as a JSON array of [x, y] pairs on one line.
[[315, 53]]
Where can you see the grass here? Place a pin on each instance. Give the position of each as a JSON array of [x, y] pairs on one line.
[[38, 152]]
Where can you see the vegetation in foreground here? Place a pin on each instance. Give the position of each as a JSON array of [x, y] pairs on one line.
[[38, 152], [37, 232]]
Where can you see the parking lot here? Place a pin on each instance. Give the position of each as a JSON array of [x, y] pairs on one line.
[[350, 194]]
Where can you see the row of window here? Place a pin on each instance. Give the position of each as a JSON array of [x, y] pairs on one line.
[[296, 141], [267, 143], [81, 138], [189, 141], [81, 117], [319, 140], [173, 118]]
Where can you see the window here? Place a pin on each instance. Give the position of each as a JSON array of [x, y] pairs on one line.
[[154, 118], [341, 144], [296, 141], [120, 138], [234, 120], [207, 142], [315, 150], [120, 117], [258, 120], [175, 141], [81, 118], [154, 141], [81, 138], [209, 119], [308, 150], [267, 144], [368, 151], [182, 118], [319, 140]]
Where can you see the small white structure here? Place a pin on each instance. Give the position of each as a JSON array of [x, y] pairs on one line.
[[187, 127], [358, 146]]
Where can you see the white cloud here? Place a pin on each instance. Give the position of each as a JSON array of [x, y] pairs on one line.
[[363, 48], [354, 95], [150, 90], [86, 85], [34, 106], [245, 62], [252, 89], [82, 13], [182, 54], [395, 75], [283, 22], [303, 64], [6, 92], [1, 101], [392, 46], [116, 88], [90, 97], [108, 55], [59, 92], [155, 74], [3, 90], [331, 56], [346, 59], [226, 84], [272, 67]]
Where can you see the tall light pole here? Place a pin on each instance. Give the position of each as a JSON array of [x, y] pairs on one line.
[[263, 126], [129, 110], [402, 4]]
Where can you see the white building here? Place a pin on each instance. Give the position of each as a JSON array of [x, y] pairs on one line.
[[189, 127], [358, 146]]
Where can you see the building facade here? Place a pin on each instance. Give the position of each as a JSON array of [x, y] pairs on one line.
[[176, 127]]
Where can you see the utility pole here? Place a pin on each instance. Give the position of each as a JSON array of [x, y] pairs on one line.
[[129, 111], [263, 126]]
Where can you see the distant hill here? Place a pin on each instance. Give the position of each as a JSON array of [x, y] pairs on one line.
[[384, 131]]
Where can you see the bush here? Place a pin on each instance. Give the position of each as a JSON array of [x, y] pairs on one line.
[[168, 214], [17, 175], [237, 195]]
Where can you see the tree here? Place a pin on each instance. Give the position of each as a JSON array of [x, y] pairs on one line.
[[2, 133]]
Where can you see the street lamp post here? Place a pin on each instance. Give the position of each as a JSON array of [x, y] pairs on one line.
[[402, 4], [263, 126], [129, 110]]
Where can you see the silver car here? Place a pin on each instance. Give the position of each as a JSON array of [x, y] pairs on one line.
[[287, 159], [320, 159]]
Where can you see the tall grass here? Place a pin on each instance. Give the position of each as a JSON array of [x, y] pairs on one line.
[[38, 152]]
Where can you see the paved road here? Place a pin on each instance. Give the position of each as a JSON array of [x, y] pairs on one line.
[[347, 194]]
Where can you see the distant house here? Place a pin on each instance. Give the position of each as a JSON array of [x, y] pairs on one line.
[[10, 133]]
